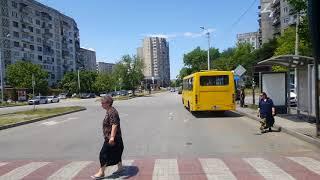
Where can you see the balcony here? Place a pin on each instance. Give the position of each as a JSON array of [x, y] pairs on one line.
[[276, 22], [26, 39], [46, 16], [26, 30], [275, 3], [24, 9], [47, 35]]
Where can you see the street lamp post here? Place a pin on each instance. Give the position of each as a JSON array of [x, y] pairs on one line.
[[208, 36]]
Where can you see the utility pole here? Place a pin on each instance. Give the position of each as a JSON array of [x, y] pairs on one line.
[[314, 24], [1, 78], [208, 36], [79, 81], [33, 84], [296, 52]]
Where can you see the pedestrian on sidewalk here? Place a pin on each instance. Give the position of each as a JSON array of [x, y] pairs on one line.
[[266, 112], [111, 152], [242, 97]]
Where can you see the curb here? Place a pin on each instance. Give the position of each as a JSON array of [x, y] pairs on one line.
[[39, 119], [287, 131]]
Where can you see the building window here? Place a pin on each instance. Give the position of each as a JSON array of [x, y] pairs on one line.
[[14, 14], [32, 38], [14, 4], [32, 47], [70, 41], [15, 24], [15, 34], [31, 56], [39, 49], [37, 13], [16, 53], [16, 44], [39, 40], [50, 26], [24, 45], [38, 22], [40, 58], [57, 45], [30, 28], [24, 26], [38, 31]]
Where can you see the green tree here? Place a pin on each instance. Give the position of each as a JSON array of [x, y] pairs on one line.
[[104, 83], [129, 72], [69, 82], [197, 59], [19, 75], [286, 44]]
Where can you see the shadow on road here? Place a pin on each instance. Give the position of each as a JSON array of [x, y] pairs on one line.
[[129, 171], [209, 114]]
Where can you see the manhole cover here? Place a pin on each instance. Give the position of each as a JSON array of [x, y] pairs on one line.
[[189, 143]]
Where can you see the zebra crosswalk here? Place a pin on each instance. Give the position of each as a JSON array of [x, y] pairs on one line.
[[225, 168]]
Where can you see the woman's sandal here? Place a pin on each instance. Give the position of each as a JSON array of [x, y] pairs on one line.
[[97, 177]]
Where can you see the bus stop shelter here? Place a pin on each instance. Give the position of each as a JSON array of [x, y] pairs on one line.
[[304, 80]]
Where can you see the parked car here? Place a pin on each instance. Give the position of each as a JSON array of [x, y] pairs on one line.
[[38, 100], [293, 99], [172, 90], [91, 95], [130, 92], [63, 96], [123, 93], [113, 93], [53, 99], [102, 94]]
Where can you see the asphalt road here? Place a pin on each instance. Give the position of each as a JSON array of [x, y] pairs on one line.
[[153, 127]]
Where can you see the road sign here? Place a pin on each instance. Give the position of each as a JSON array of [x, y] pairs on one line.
[[240, 70]]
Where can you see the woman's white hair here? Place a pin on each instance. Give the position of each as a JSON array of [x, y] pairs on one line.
[[107, 99]]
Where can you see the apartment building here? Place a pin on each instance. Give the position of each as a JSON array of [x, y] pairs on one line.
[[87, 59], [31, 31], [155, 55], [275, 16], [252, 38], [103, 67]]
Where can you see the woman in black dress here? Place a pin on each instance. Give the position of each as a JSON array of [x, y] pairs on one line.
[[111, 152]]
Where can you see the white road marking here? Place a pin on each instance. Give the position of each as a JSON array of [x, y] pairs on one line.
[[267, 169], [69, 171], [309, 163], [3, 163], [23, 171], [216, 169], [166, 169], [186, 120], [49, 123], [110, 170]]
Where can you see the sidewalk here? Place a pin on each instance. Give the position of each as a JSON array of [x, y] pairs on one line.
[[298, 128]]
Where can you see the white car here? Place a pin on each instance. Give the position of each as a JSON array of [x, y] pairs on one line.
[[38, 100], [293, 99], [53, 99]]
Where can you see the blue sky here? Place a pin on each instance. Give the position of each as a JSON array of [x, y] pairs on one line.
[[116, 27]]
